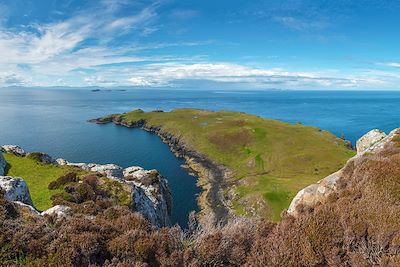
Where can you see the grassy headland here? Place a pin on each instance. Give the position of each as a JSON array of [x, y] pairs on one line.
[[270, 160]]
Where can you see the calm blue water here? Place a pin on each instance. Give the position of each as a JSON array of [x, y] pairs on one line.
[[54, 121]]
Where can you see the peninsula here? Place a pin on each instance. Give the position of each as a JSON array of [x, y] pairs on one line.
[[247, 165]]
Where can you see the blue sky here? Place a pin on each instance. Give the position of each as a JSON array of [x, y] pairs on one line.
[[294, 44]]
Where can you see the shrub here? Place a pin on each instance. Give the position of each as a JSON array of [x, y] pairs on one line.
[[70, 177]]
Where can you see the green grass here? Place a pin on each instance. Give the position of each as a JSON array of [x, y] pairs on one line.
[[37, 176], [271, 159]]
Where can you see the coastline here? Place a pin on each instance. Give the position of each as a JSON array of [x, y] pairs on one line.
[[211, 176]]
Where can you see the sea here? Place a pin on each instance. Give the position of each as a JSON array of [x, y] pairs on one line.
[[54, 121]]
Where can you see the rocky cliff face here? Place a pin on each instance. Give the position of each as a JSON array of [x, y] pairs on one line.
[[3, 164], [371, 143], [150, 193]]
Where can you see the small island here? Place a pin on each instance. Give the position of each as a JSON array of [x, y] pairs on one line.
[[247, 165]]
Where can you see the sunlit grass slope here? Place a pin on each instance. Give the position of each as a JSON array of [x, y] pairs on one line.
[[271, 160], [37, 176]]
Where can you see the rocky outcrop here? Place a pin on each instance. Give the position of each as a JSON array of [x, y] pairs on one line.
[[150, 194], [368, 141], [371, 143], [3, 164], [14, 149], [41, 157], [111, 171], [60, 211], [15, 189]]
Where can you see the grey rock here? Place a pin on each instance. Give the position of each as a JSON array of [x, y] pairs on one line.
[[60, 211], [369, 140], [3, 164], [151, 195], [61, 162], [153, 200], [110, 170], [15, 189], [14, 149]]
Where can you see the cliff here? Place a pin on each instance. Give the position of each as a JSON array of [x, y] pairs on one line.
[[149, 191]]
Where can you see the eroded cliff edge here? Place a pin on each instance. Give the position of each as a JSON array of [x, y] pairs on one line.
[[212, 177]]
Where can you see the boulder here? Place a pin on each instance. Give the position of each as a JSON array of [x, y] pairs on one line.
[[61, 161], [60, 211], [110, 170], [315, 193], [3, 164], [16, 150], [15, 189], [369, 140]]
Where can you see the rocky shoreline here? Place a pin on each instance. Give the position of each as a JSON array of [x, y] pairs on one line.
[[212, 176]]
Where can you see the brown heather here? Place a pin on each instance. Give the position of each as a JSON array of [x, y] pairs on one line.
[[359, 225]]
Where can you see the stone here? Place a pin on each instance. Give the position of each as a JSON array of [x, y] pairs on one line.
[[60, 211], [369, 140], [27, 208], [110, 170], [3, 164], [61, 162], [14, 149], [15, 189], [315, 193]]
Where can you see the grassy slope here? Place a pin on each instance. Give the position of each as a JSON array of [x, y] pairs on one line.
[[37, 176], [271, 160]]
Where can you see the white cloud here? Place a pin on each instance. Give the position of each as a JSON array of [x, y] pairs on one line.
[[393, 64], [169, 74], [301, 24]]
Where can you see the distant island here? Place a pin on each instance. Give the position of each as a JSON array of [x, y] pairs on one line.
[[108, 90]]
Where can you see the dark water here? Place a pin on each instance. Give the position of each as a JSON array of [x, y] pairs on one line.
[[54, 121]]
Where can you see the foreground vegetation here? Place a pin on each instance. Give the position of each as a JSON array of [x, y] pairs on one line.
[[357, 226], [271, 160], [50, 185]]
